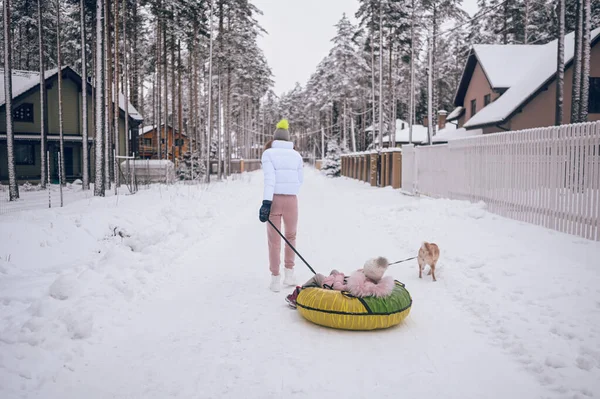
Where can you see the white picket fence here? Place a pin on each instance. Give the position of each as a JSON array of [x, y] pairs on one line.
[[546, 176]]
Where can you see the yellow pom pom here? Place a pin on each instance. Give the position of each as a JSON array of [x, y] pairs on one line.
[[283, 124]]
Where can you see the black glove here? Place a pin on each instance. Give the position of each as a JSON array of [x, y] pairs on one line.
[[265, 210]]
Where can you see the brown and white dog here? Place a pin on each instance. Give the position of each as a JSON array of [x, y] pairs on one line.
[[429, 254]]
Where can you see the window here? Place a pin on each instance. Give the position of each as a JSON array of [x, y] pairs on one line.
[[179, 142], [594, 100], [473, 108], [23, 113], [162, 141], [487, 99], [24, 154], [147, 142]]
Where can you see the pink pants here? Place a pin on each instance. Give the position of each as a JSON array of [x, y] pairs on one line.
[[285, 206]]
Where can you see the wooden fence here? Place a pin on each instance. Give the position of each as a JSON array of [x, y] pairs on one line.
[[546, 176], [379, 169]]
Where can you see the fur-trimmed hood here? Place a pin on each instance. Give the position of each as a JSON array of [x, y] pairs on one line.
[[360, 285]]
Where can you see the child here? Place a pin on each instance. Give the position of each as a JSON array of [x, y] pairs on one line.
[[368, 281]]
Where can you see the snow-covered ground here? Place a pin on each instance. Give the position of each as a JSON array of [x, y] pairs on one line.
[[164, 294]]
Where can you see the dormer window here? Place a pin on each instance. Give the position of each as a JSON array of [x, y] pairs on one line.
[[23, 113]]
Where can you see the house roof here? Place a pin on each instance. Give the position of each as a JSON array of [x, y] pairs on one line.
[[399, 122], [24, 81], [455, 114], [451, 132], [536, 73], [149, 128], [504, 65], [419, 134]]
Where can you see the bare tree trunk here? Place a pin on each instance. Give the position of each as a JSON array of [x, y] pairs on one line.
[[391, 85], [434, 79], [209, 119], [560, 64], [585, 62], [108, 172], [99, 177], [526, 33], [43, 143], [191, 95], [173, 96], [228, 129], [158, 82], [60, 113], [412, 73], [126, 82], [219, 115], [380, 76], [117, 95], [180, 99], [12, 176], [166, 88], [576, 88], [373, 88], [84, 144]]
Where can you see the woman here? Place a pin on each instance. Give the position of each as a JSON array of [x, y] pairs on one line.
[[283, 173]]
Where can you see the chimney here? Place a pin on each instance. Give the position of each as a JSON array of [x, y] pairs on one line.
[[442, 118]]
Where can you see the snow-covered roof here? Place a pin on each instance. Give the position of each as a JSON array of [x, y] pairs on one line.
[[504, 64], [23, 81], [150, 128], [540, 68], [399, 122], [419, 134], [455, 114], [451, 132]]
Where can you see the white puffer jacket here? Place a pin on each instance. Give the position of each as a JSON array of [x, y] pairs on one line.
[[282, 167]]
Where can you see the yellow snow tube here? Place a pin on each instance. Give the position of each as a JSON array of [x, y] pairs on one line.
[[337, 309]]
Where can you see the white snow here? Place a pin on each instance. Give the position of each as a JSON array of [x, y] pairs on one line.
[[538, 70], [505, 65], [455, 114], [419, 134], [451, 132], [164, 294]]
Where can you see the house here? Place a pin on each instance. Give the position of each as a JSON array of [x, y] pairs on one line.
[[513, 87], [177, 142], [26, 124]]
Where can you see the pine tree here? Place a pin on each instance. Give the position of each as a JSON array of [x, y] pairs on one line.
[[191, 167], [332, 164]]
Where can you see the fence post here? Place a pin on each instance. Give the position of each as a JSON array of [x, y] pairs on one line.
[[396, 169], [374, 157]]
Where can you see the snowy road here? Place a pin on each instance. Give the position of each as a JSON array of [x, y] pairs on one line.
[[180, 307]]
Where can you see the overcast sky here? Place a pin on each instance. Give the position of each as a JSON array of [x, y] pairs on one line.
[[300, 33]]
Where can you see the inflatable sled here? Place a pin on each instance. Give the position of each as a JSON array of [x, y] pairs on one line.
[[339, 309]]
